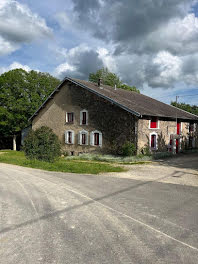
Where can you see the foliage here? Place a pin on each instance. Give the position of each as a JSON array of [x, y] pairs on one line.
[[109, 78], [112, 158], [145, 150], [128, 149], [187, 107], [62, 165], [21, 93], [42, 144]]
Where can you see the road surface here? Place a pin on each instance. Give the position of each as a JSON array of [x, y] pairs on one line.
[[49, 217]]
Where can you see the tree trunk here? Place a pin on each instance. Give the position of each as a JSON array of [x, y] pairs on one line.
[[14, 142]]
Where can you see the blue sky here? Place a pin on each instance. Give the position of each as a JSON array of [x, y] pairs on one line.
[[149, 44]]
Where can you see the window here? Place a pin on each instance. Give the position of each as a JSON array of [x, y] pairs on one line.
[[83, 137], [69, 117], [153, 141], [96, 138], [69, 137], [191, 127], [154, 123], [84, 117]]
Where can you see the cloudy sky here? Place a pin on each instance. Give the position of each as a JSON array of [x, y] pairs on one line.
[[152, 44]]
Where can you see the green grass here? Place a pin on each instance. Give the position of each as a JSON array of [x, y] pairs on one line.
[[62, 165]]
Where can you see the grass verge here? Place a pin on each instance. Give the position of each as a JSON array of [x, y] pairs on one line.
[[62, 165]]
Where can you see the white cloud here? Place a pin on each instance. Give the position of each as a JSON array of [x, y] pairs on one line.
[[79, 62], [63, 68], [19, 25], [7, 47], [14, 65]]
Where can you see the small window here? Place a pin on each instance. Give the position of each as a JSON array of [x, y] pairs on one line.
[[84, 117], [154, 122], [69, 117], [69, 137], [96, 138], [83, 137], [153, 141]]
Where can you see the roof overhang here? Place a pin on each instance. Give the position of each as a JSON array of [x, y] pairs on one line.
[[87, 88]]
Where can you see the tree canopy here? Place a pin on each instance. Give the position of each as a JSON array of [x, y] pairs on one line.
[[21, 93], [111, 79], [187, 107]]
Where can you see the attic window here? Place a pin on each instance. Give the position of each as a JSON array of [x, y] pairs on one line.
[[154, 123]]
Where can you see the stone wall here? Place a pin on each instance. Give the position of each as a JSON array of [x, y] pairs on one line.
[[166, 128], [117, 125]]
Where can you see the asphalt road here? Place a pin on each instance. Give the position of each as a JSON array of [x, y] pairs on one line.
[[48, 217]]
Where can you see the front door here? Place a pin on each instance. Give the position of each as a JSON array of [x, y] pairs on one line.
[[177, 145]]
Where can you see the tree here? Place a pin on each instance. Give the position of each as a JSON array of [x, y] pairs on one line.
[[187, 107], [21, 93], [111, 79]]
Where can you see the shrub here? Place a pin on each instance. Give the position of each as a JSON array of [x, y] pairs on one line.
[[42, 144], [146, 151], [128, 149]]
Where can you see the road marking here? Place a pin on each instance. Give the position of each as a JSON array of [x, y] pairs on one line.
[[133, 219], [125, 215]]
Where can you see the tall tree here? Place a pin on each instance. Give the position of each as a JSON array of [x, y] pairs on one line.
[[21, 93], [187, 107], [111, 79]]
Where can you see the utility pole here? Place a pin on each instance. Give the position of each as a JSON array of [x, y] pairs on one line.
[[176, 109]]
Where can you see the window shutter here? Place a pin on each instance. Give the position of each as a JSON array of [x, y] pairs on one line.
[[81, 117], [66, 137], [100, 139], [87, 139], [86, 117], [80, 138], [92, 138], [66, 118], [72, 137]]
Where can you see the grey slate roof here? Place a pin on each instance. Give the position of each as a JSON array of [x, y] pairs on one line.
[[138, 104]]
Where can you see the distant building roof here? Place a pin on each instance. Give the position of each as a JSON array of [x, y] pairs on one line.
[[135, 103]]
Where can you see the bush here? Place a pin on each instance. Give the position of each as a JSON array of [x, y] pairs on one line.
[[128, 149], [42, 144]]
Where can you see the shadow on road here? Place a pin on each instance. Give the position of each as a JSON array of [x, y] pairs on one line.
[[182, 161], [91, 201]]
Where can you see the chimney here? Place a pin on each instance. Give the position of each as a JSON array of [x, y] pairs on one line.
[[100, 83], [115, 87]]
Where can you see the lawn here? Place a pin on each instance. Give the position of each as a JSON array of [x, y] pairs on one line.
[[62, 165]]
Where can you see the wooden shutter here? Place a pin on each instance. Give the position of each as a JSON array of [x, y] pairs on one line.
[[154, 123], [92, 138]]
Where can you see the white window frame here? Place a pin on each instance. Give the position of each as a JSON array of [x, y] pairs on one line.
[[67, 137], [156, 143], [81, 117], [86, 137], [66, 118], [158, 126], [92, 138]]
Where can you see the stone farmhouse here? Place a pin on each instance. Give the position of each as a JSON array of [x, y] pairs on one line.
[[89, 117]]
